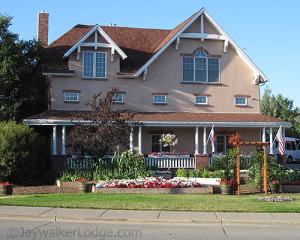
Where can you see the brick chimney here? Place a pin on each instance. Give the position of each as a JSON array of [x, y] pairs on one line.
[[43, 27]]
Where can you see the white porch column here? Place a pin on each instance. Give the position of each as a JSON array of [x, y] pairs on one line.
[[54, 152], [271, 141], [63, 140], [140, 140], [197, 140], [204, 141], [131, 140], [263, 138]]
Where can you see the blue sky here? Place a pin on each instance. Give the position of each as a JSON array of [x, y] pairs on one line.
[[268, 30]]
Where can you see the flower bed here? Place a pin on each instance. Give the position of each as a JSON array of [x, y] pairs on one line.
[[149, 183]]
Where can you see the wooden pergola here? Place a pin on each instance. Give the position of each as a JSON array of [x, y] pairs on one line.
[[238, 163]]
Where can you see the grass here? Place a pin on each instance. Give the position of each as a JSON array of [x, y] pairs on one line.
[[185, 202]]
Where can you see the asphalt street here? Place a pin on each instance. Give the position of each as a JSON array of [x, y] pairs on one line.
[[30, 229]]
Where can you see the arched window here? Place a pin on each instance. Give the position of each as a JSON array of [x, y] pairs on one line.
[[201, 68]]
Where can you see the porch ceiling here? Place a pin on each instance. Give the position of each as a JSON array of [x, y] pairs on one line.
[[173, 119]]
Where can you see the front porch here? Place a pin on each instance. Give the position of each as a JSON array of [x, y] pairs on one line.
[[192, 130]]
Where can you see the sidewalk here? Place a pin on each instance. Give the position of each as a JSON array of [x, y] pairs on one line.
[[102, 215]]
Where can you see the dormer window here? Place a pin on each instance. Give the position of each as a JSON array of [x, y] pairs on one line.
[[94, 64], [201, 68]]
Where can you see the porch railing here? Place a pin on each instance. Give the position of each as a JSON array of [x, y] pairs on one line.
[[83, 163], [171, 162]]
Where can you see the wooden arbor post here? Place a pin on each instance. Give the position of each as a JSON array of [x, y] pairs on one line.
[[238, 164]]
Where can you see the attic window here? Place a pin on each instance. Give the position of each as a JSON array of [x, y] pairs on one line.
[[94, 65], [201, 68]]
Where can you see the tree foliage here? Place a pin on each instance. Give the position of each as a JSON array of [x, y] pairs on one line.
[[107, 129], [22, 153], [23, 88], [280, 107]]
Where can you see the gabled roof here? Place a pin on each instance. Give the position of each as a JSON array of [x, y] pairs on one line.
[[176, 32], [139, 47], [104, 35], [137, 43]]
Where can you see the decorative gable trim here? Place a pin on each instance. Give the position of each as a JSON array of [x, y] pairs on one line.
[[259, 76], [112, 44]]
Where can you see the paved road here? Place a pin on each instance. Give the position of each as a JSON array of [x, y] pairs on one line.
[[29, 229]]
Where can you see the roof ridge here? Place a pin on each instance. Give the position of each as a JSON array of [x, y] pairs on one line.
[[144, 28]]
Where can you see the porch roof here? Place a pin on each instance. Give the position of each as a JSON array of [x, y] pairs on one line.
[[174, 119]]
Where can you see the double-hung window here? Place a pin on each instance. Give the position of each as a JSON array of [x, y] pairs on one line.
[[71, 97], [159, 99], [94, 64], [201, 68]]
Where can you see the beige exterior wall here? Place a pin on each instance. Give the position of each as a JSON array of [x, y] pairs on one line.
[[186, 138], [165, 75]]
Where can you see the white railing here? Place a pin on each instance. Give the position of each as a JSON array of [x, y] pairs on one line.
[[162, 162]]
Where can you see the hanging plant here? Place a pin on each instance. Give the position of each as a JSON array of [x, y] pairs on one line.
[[169, 140]]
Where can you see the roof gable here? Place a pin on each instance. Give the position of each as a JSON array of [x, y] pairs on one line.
[[176, 33], [103, 34]]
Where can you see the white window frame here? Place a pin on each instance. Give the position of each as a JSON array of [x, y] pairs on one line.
[[159, 95], [241, 104], [206, 100], [194, 81], [77, 94], [94, 64], [118, 101]]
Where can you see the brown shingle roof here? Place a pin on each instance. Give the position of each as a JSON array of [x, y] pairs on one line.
[[139, 44], [173, 116]]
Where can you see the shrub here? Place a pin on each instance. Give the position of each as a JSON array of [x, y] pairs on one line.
[[22, 153]]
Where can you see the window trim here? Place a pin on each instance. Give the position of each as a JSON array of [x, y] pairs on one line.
[[207, 57], [206, 98], [94, 65], [240, 104], [71, 101], [121, 94], [159, 103]]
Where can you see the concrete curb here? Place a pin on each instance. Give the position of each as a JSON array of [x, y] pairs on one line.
[[141, 221]]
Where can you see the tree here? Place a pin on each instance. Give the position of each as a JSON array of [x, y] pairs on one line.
[[280, 107], [107, 129], [23, 88], [22, 154]]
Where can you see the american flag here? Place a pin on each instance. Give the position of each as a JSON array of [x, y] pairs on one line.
[[211, 137], [280, 139]]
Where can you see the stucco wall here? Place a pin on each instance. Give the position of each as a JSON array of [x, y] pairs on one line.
[[165, 75]]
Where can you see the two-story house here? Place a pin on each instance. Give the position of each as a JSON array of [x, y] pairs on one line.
[[182, 80]]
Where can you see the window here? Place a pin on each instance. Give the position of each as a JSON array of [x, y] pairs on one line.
[[157, 145], [159, 99], [201, 68], [94, 64], [118, 98], [288, 146], [241, 101], [201, 100], [293, 146], [222, 144], [71, 97]]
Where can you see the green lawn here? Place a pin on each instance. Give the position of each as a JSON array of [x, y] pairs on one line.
[[185, 202]]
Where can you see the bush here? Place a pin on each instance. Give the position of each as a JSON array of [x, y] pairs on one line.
[[125, 165], [22, 153]]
